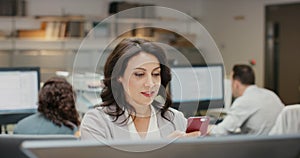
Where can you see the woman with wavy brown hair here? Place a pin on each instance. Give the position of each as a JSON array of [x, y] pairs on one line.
[[135, 104], [56, 114]]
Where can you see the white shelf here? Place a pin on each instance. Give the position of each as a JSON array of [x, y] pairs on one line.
[[32, 44], [6, 44], [52, 44], [16, 17], [150, 20]]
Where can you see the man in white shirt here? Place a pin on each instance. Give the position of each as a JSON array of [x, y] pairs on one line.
[[254, 110]]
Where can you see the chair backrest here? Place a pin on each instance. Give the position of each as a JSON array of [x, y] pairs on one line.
[[10, 145], [288, 121]]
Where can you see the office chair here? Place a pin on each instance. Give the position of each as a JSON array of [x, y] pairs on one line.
[[287, 121]]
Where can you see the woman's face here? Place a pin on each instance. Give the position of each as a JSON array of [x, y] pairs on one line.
[[141, 79]]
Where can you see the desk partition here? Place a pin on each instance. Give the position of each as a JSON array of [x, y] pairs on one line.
[[242, 146]]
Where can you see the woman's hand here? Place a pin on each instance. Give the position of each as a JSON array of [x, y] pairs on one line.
[[77, 134], [180, 134]]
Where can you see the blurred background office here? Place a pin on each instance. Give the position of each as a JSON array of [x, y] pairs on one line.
[[48, 34]]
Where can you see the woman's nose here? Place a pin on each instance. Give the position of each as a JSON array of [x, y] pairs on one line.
[[149, 82]]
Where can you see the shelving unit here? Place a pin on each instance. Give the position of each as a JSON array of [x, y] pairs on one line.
[[56, 54], [15, 43]]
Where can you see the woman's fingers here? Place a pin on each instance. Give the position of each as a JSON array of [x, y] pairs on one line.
[[193, 134]]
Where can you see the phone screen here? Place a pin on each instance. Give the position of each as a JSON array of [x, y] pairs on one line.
[[199, 123]]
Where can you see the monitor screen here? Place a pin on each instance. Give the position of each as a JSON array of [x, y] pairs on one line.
[[19, 89], [201, 85]]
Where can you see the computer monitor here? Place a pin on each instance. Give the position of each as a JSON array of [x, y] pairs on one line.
[[241, 146], [19, 88], [198, 87]]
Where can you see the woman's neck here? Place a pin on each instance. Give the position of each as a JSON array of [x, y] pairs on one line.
[[141, 125], [142, 111]]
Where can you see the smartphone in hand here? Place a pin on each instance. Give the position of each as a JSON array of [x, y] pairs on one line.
[[198, 123]]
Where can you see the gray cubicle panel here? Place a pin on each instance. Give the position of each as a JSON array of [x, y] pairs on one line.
[[242, 146], [10, 145]]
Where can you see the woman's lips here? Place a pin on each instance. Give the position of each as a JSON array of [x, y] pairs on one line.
[[148, 94]]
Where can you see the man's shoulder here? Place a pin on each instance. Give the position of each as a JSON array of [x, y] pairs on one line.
[[255, 96], [257, 92], [267, 93]]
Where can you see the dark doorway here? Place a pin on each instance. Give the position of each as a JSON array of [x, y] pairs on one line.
[[282, 69]]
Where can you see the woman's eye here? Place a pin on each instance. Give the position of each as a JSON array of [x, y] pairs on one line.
[[139, 74], [156, 74]]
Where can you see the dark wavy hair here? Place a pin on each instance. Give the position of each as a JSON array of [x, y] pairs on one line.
[[113, 96], [57, 102]]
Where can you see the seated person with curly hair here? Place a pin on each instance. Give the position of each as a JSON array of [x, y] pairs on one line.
[[56, 114]]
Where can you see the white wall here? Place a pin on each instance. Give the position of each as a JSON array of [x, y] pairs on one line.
[[238, 31], [239, 40], [237, 26]]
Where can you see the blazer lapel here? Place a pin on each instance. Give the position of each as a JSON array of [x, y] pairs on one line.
[[120, 130], [165, 127]]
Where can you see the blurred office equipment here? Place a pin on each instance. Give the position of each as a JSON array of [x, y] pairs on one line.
[[197, 88], [10, 145], [288, 121], [241, 146], [227, 94], [88, 87], [218, 114], [19, 88]]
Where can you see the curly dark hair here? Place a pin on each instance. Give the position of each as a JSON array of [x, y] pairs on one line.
[[57, 102], [115, 67]]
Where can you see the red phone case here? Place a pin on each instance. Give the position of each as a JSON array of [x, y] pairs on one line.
[[199, 123]]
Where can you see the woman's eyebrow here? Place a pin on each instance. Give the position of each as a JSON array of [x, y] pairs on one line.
[[156, 68], [140, 68]]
